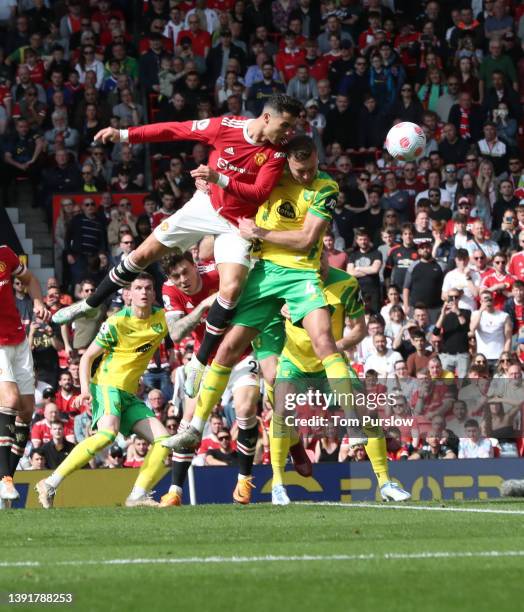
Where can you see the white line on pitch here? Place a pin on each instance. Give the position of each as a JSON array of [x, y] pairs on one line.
[[390, 506], [268, 558]]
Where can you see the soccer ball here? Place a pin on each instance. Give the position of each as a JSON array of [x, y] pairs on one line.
[[405, 141]]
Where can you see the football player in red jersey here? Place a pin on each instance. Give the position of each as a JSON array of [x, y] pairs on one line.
[[187, 295], [17, 380], [246, 160]]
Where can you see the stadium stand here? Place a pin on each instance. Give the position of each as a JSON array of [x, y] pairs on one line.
[[440, 247]]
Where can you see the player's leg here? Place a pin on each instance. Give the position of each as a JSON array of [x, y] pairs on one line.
[[181, 461], [106, 404], [232, 258], [152, 430], [268, 347], [246, 393], [9, 402], [24, 373]]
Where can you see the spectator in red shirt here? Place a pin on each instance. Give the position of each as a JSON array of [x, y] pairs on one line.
[[200, 39], [136, 452], [290, 58], [168, 208], [514, 306], [211, 441], [65, 395], [516, 263], [498, 282], [337, 259], [41, 431]]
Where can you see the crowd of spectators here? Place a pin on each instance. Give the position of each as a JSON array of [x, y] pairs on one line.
[[436, 244]]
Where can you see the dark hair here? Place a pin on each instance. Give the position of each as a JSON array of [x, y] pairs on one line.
[[406, 226], [282, 103], [36, 451], [144, 276], [471, 423], [417, 333], [361, 231], [172, 260], [462, 254], [301, 147]]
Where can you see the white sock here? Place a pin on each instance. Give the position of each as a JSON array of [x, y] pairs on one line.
[[137, 493], [198, 423], [54, 480], [175, 489]]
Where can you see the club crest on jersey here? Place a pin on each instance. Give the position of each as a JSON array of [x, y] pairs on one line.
[[165, 226], [287, 210], [260, 159], [158, 327], [200, 124], [3, 267]]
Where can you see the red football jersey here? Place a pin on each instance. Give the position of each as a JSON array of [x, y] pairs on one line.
[[253, 169], [499, 299], [516, 266], [11, 331], [177, 301], [42, 431]]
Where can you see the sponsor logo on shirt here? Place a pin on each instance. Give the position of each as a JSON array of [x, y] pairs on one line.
[[287, 210], [144, 348], [279, 155], [223, 164]]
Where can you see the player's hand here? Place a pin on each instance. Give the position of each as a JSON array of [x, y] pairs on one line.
[[202, 185], [84, 399], [208, 302], [41, 311], [108, 134], [284, 311], [206, 173], [248, 229]]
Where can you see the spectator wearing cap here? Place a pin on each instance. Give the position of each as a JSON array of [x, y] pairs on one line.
[[492, 148], [423, 282], [114, 458], [314, 117], [290, 58], [218, 57], [452, 148], [302, 86], [333, 26]]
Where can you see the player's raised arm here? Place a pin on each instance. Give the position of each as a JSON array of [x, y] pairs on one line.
[[180, 325]]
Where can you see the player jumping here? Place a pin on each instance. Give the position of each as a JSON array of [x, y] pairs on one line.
[[291, 225], [128, 341], [299, 369], [17, 379], [245, 162]]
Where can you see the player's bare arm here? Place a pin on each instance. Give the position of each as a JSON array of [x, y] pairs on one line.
[[92, 352], [301, 240], [357, 333], [33, 288], [180, 326]]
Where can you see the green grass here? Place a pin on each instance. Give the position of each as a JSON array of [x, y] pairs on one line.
[[460, 583]]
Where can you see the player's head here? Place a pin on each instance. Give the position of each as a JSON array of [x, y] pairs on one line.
[[279, 115], [180, 269], [143, 291], [302, 158]]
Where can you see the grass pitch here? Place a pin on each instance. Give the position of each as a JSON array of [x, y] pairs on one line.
[[302, 557]]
